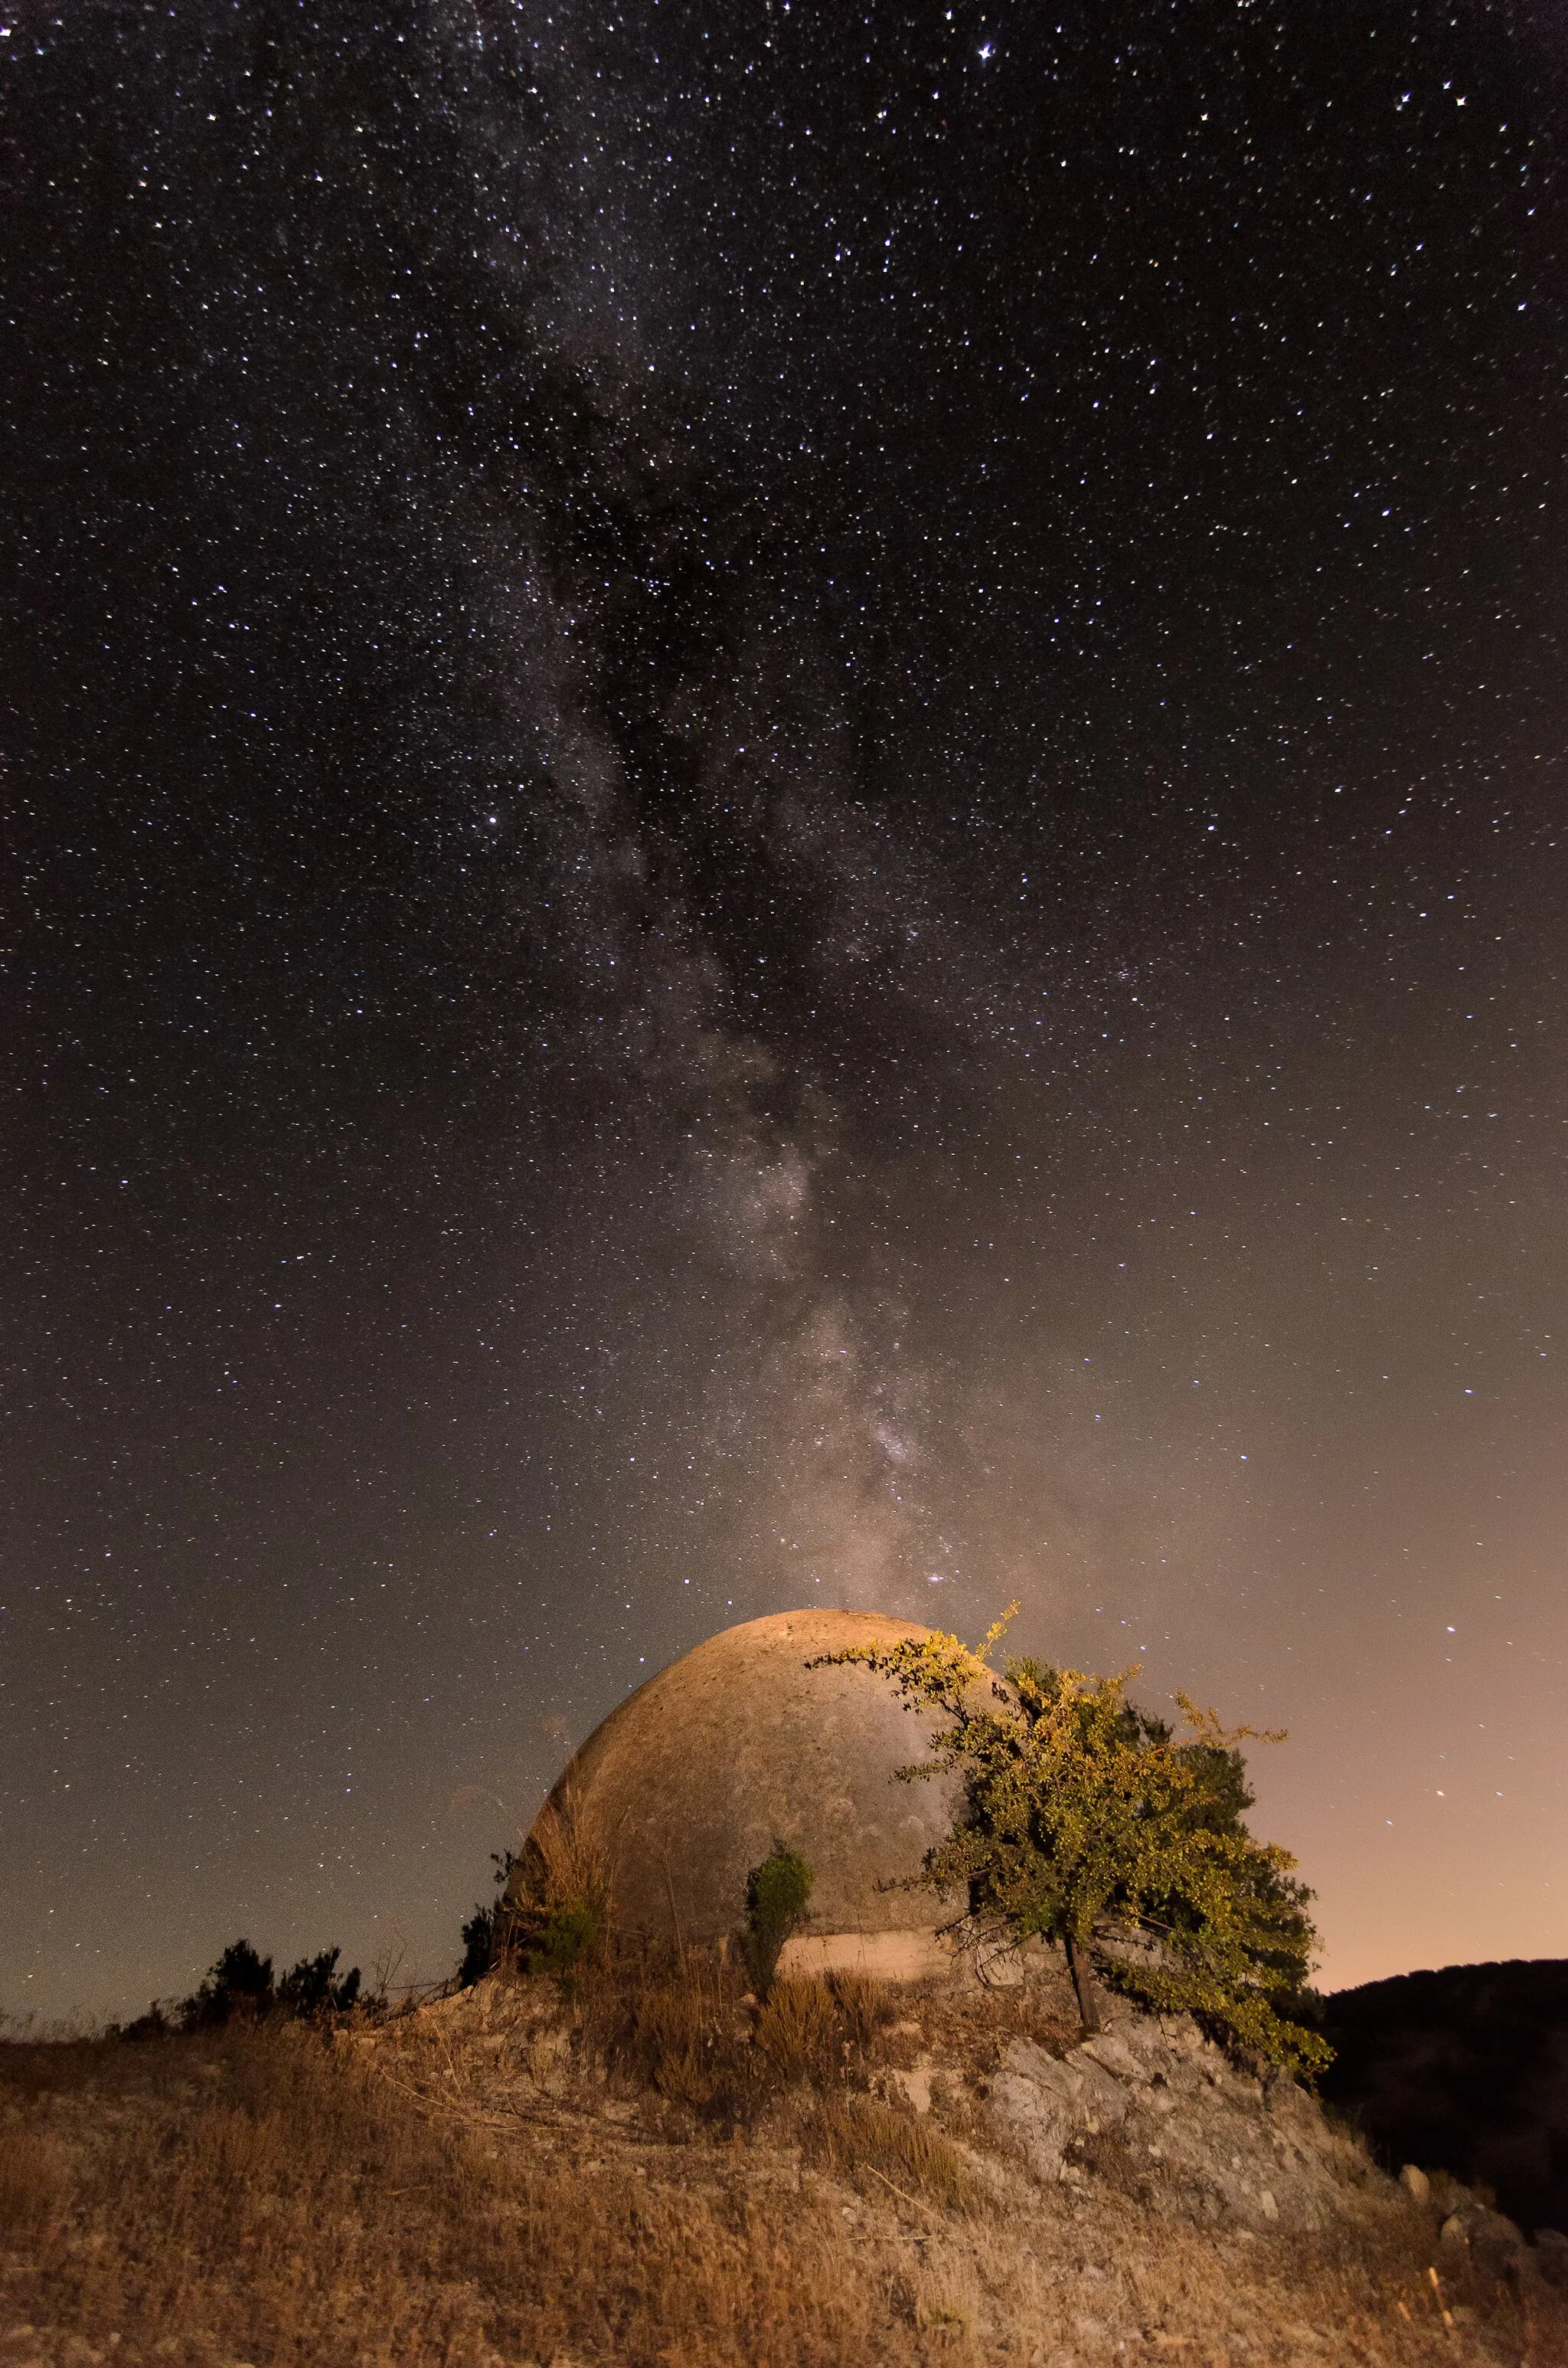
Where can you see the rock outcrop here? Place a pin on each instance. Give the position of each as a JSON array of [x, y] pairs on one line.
[[1201, 2138]]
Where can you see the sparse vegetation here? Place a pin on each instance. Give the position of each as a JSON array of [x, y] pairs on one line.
[[239, 1987], [482, 1934], [1088, 1822], [553, 1913], [599, 2154], [861, 2138]]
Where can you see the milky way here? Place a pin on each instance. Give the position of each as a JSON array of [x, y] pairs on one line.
[[786, 806]]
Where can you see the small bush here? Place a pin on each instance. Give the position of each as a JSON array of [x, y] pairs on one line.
[[482, 1933], [314, 1987], [239, 1984], [239, 1987], [776, 1894]]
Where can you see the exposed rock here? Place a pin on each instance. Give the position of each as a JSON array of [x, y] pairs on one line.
[[1217, 2143], [1495, 2239], [1110, 2051]]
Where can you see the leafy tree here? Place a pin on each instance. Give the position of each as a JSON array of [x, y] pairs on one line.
[[776, 1894], [1091, 1823]]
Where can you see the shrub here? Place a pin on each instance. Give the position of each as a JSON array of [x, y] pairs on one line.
[[238, 1985], [776, 1894], [481, 1933]]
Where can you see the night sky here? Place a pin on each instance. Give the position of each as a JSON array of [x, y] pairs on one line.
[[786, 820]]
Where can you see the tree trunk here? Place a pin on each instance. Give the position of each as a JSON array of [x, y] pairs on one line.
[[1084, 1985]]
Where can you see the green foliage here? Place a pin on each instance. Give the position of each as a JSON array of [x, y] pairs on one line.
[[776, 1894], [552, 1940], [1091, 1823]]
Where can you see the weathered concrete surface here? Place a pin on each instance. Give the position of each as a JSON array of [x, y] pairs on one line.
[[739, 1744], [914, 1955]]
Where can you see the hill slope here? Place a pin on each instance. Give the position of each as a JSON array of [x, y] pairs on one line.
[[650, 2170], [1466, 2067]]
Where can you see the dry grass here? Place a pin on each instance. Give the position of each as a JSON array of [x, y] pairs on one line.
[[686, 2028], [570, 1859], [35, 2184], [514, 2178], [857, 2138], [800, 2033]]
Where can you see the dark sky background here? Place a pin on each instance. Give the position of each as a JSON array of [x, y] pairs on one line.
[[786, 820]]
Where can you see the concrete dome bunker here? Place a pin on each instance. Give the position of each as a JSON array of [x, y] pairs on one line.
[[687, 1784]]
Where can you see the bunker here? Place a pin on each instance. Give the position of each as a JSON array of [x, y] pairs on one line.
[[686, 1787]]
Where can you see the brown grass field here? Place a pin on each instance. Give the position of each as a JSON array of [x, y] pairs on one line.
[[649, 2171]]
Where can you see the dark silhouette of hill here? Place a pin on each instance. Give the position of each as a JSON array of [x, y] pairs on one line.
[[1466, 2070]]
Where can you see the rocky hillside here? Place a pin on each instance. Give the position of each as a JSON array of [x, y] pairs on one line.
[[649, 2168]]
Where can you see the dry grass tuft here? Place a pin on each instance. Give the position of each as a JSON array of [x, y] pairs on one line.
[[799, 2031], [865, 2006], [685, 2042], [854, 2136]]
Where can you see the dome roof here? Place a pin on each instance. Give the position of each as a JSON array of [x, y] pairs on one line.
[[689, 1782]]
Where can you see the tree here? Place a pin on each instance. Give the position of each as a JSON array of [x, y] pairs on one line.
[[1090, 1823], [238, 1986], [776, 1894], [314, 1987]]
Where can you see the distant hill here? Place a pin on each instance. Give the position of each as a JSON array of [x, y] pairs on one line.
[[1466, 2070]]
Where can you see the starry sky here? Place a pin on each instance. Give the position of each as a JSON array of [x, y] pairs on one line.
[[785, 803]]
